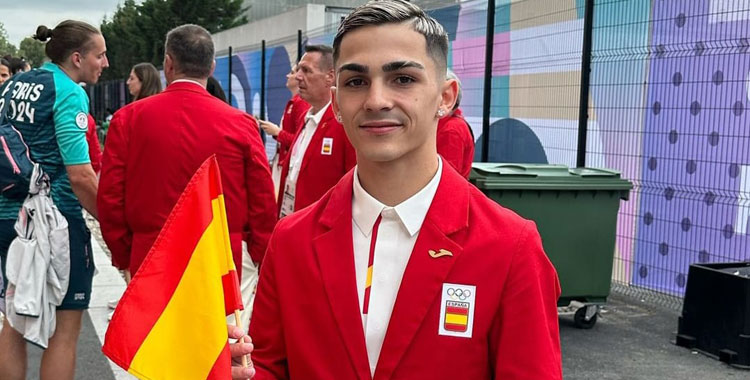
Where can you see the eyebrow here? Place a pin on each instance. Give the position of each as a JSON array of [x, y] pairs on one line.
[[398, 65], [388, 67], [354, 67]]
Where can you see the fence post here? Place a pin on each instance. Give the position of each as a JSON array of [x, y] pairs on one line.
[[229, 77], [487, 102], [583, 108], [263, 80], [299, 44]]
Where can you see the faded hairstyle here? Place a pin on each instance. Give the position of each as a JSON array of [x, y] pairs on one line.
[[326, 56], [191, 49], [377, 12]]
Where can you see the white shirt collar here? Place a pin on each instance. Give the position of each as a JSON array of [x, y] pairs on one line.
[[412, 212], [316, 117], [187, 81]]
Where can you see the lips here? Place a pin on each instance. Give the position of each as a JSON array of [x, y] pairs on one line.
[[381, 126]]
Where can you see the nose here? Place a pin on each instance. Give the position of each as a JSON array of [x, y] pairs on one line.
[[377, 98], [106, 62], [298, 76]]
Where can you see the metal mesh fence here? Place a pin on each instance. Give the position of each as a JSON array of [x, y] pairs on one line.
[[667, 101]]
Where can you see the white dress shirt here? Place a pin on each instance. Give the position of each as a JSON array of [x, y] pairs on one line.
[[187, 81], [295, 160], [300, 146], [397, 233]]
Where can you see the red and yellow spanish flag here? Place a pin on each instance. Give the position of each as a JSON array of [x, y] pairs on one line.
[[171, 321]]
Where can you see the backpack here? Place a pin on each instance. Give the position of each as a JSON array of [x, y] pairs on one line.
[[16, 165]]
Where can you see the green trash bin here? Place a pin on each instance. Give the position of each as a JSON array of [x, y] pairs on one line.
[[576, 213]]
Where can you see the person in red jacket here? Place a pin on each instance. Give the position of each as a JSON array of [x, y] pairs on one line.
[[155, 145], [455, 141], [404, 270], [291, 120], [321, 153]]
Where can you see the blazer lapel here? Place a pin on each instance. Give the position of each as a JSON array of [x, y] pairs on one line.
[[424, 276], [334, 252]]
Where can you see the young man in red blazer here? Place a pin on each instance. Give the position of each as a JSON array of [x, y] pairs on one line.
[[321, 153], [403, 270], [155, 145]]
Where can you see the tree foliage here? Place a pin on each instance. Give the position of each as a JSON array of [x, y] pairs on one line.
[[32, 50], [135, 32], [6, 47]]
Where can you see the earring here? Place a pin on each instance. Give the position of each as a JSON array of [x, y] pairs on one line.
[[338, 117], [440, 113]]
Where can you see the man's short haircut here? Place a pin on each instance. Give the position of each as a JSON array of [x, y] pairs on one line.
[[326, 56], [377, 12], [191, 49]]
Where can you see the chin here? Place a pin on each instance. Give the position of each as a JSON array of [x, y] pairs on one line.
[[378, 155]]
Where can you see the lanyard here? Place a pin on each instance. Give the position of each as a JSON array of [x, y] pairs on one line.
[[370, 261]]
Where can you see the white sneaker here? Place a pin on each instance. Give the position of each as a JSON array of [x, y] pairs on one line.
[[113, 304]]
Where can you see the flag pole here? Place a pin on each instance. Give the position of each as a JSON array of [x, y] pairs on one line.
[[238, 322]]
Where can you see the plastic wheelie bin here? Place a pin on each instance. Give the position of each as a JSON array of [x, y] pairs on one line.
[[575, 211]]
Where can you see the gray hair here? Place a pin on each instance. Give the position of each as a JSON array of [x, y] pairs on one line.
[[377, 12], [326, 62], [451, 75], [191, 49]]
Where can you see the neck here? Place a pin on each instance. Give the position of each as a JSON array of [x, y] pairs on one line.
[[69, 72], [202, 81], [315, 107], [391, 183]]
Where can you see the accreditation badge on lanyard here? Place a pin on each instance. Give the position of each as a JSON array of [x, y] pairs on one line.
[[287, 202]]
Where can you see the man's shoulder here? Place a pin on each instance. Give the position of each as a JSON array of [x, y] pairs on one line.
[[168, 103], [486, 215], [456, 126]]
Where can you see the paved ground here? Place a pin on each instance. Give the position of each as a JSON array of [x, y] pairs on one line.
[[631, 340]]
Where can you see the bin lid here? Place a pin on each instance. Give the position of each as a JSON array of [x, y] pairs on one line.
[[500, 176]]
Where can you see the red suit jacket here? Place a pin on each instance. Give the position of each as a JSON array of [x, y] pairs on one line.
[[455, 142], [294, 119], [153, 148], [306, 320], [319, 171]]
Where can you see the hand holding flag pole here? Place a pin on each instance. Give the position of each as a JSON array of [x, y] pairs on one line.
[[238, 322]]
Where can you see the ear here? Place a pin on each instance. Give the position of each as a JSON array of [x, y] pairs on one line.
[[168, 68], [448, 95], [334, 101], [331, 78], [76, 59], [213, 67]]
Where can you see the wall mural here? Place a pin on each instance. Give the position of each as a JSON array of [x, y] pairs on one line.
[[668, 108]]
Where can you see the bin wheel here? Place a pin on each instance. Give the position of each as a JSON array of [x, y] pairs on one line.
[[580, 318]]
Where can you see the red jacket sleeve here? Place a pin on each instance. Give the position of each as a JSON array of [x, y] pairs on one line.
[[271, 360], [95, 152], [261, 199], [110, 200], [285, 139], [526, 345]]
